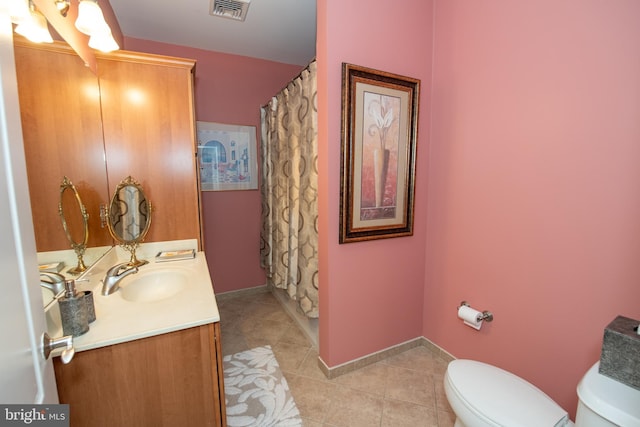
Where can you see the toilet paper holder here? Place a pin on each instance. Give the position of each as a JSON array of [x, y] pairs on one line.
[[486, 315]]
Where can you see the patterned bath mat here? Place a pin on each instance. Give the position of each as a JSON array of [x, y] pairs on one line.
[[256, 392]]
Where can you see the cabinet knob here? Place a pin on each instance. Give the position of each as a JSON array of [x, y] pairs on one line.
[[49, 344]]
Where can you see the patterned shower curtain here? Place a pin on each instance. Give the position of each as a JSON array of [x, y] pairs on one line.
[[289, 235]]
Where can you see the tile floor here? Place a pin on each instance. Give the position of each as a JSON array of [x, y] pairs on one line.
[[402, 390]]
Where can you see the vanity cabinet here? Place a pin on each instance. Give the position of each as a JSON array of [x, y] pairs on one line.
[[135, 117], [173, 379]]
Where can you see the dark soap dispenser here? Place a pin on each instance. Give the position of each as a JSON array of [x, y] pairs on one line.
[[73, 311]]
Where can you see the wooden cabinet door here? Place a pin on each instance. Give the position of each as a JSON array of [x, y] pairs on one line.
[[165, 380], [62, 131], [149, 133]]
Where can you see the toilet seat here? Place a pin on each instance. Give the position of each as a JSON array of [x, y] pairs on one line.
[[495, 397]]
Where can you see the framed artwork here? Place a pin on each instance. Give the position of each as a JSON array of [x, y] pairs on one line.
[[378, 154], [227, 157]]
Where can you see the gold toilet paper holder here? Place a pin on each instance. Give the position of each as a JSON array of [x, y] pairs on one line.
[[486, 315]]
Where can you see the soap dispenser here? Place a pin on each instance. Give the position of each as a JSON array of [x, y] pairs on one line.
[[73, 310]]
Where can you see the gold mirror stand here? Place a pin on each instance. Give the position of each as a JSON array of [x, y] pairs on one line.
[[134, 261], [128, 205], [70, 229]]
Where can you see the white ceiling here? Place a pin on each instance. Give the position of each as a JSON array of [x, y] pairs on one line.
[[277, 30]]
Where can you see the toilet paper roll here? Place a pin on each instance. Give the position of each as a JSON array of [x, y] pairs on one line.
[[470, 316]]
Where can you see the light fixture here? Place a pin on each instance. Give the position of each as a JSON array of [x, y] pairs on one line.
[[103, 41], [63, 6], [34, 26], [92, 23], [90, 18]]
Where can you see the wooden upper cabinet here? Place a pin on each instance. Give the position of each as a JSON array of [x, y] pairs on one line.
[[136, 117], [149, 133], [62, 132]]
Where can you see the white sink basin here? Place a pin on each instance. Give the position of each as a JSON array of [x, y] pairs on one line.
[[153, 285]]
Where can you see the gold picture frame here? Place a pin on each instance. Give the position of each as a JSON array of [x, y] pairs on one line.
[[378, 154]]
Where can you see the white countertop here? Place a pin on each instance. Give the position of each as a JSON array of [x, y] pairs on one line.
[[119, 320]]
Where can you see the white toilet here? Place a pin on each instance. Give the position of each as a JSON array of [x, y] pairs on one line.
[[483, 395]]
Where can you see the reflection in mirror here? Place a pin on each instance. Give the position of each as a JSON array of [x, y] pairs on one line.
[[75, 221], [129, 217], [52, 285], [54, 85]]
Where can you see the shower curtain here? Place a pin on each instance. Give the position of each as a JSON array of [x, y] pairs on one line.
[[289, 235]]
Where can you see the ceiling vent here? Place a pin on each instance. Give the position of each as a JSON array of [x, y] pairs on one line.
[[232, 9]]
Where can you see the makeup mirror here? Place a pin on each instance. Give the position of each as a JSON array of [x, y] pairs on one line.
[[75, 222], [129, 217]]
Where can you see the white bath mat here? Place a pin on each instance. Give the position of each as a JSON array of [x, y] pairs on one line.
[[257, 394]]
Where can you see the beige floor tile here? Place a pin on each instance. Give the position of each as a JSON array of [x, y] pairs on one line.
[[263, 311], [232, 344], [353, 408], [270, 330], [446, 419], [230, 306], [370, 379], [290, 356], [404, 384], [418, 359], [441, 398], [310, 368], [439, 366], [405, 414], [265, 297], [229, 316], [312, 397], [294, 335]]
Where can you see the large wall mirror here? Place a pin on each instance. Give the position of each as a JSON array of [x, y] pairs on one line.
[[62, 130]]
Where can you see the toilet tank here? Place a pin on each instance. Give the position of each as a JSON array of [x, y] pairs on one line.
[[605, 402]]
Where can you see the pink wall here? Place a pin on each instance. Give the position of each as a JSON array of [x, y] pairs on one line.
[[528, 147], [371, 293], [230, 89], [534, 182]]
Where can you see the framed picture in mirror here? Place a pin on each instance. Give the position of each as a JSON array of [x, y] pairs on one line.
[[227, 157]]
